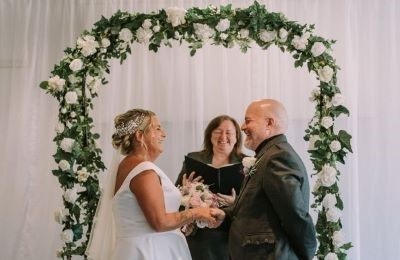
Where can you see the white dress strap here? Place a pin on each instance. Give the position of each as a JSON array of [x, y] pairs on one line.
[[141, 167]]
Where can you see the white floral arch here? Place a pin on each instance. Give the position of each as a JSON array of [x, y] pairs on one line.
[[76, 79]]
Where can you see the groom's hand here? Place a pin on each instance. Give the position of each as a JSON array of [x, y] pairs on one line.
[[219, 216]]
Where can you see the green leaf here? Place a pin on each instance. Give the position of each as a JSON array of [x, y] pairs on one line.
[[345, 139], [44, 85]]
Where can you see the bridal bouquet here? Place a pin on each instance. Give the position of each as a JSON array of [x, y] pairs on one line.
[[197, 194]]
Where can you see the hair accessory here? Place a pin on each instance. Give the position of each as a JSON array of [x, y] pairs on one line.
[[130, 127]]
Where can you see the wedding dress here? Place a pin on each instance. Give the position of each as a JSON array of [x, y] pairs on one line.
[[135, 239]]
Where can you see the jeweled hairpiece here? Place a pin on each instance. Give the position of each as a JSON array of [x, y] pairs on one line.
[[130, 127]]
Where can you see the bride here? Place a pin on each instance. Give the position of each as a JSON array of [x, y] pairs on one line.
[[137, 216]]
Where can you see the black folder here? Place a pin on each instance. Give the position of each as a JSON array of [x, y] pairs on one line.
[[220, 180]]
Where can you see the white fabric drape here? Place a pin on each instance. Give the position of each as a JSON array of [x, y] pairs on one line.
[[186, 92]]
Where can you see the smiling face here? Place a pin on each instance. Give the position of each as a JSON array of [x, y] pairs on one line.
[[154, 138], [223, 138], [256, 126]]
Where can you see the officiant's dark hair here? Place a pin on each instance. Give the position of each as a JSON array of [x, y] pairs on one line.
[[214, 124]]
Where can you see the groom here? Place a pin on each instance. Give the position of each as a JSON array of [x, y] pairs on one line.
[[270, 217]]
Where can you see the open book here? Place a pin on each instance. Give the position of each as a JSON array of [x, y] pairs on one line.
[[220, 180]]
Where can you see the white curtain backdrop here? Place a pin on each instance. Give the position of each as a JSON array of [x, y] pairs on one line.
[[186, 92]]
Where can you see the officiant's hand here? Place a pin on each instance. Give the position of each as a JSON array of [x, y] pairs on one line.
[[226, 200], [186, 180]]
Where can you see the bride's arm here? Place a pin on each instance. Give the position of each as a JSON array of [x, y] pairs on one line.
[[148, 191]]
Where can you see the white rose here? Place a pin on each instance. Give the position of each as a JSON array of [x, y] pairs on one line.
[[72, 114], [60, 215], [223, 36], [317, 49], [105, 42], [327, 121], [327, 175], [71, 195], [67, 236], [87, 44], [176, 16], [93, 83], [74, 79], [325, 74], [311, 142], [203, 31], [60, 128], [67, 144], [76, 65], [338, 238], [331, 256], [156, 28], [333, 214], [329, 201], [248, 161], [64, 165], [283, 34], [267, 36], [83, 175], [143, 35], [63, 110], [223, 25], [337, 99], [244, 33], [146, 24], [71, 97], [315, 93], [125, 35], [56, 83], [299, 43], [335, 146]]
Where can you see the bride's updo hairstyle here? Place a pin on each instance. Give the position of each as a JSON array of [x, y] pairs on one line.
[[126, 125]]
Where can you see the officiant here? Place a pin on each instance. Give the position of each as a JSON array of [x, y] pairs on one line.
[[221, 147]]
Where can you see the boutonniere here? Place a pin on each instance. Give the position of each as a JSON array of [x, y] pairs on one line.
[[249, 165]]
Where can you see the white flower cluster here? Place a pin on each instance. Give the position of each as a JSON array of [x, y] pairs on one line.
[[88, 45]]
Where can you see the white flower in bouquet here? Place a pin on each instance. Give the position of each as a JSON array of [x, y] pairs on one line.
[[325, 74], [87, 44], [56, 83], [76, 65], [315, 93], [337, 99], [223, 36], [74, 79], [93, 83], [333, 214], [143, 35], [83, 175], [203, 31], [125, 35], [156, 28], [317, 49], [223, 25], [244, 33], [283, 34], [331, 256], [267, 36], [67, 236], [71, 195], [327, 121], [327, 175], [338, 238], [71, 97], [176, 16], [329, 201], [64, 165], [67, 144], [335, 146]]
